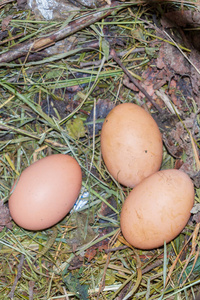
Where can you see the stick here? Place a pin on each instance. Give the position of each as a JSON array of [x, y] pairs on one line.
[[4, 2], [137, 84], [30, 288], [98, 62], [44, 42], [18, 276]]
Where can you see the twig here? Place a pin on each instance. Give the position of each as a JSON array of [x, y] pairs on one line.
[[12, 38], [49, 40], [30, 134], [98, 62], [30, 288], [137, 84], [144, 271], [4, 2], [18, 276], [115, 249], [65, 292], [102, 283], [152, 266]]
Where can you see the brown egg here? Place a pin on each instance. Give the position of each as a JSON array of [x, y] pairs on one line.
[[131, 144], [157, 209], [45, 192]]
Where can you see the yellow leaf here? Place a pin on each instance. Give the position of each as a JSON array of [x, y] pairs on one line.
[[76, 128]]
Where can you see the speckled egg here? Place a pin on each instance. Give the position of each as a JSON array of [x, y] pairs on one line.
[[131, 144], [45, 192], [157, 209]]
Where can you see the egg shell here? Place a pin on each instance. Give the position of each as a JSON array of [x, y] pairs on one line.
[[45, 192], [131, 144], [157, 209]]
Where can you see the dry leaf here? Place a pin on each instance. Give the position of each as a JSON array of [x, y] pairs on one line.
[[181, 18], [21, 4], [171, 57], [5, 217], [5, 22]]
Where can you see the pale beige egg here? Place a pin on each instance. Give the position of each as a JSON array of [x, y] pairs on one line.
[[131, 144], [45, 192], [157, 209]]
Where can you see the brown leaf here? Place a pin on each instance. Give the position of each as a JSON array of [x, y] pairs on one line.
[[170, 56], [90, 253], [181, 18], [195, 76], [76, 263], [178, 143], [5, 22], [21, 4], [103, 246], [5, 217], [129, 84]]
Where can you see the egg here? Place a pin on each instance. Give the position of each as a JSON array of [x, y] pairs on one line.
[[131, 144], [157, 209], [45, 192]]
